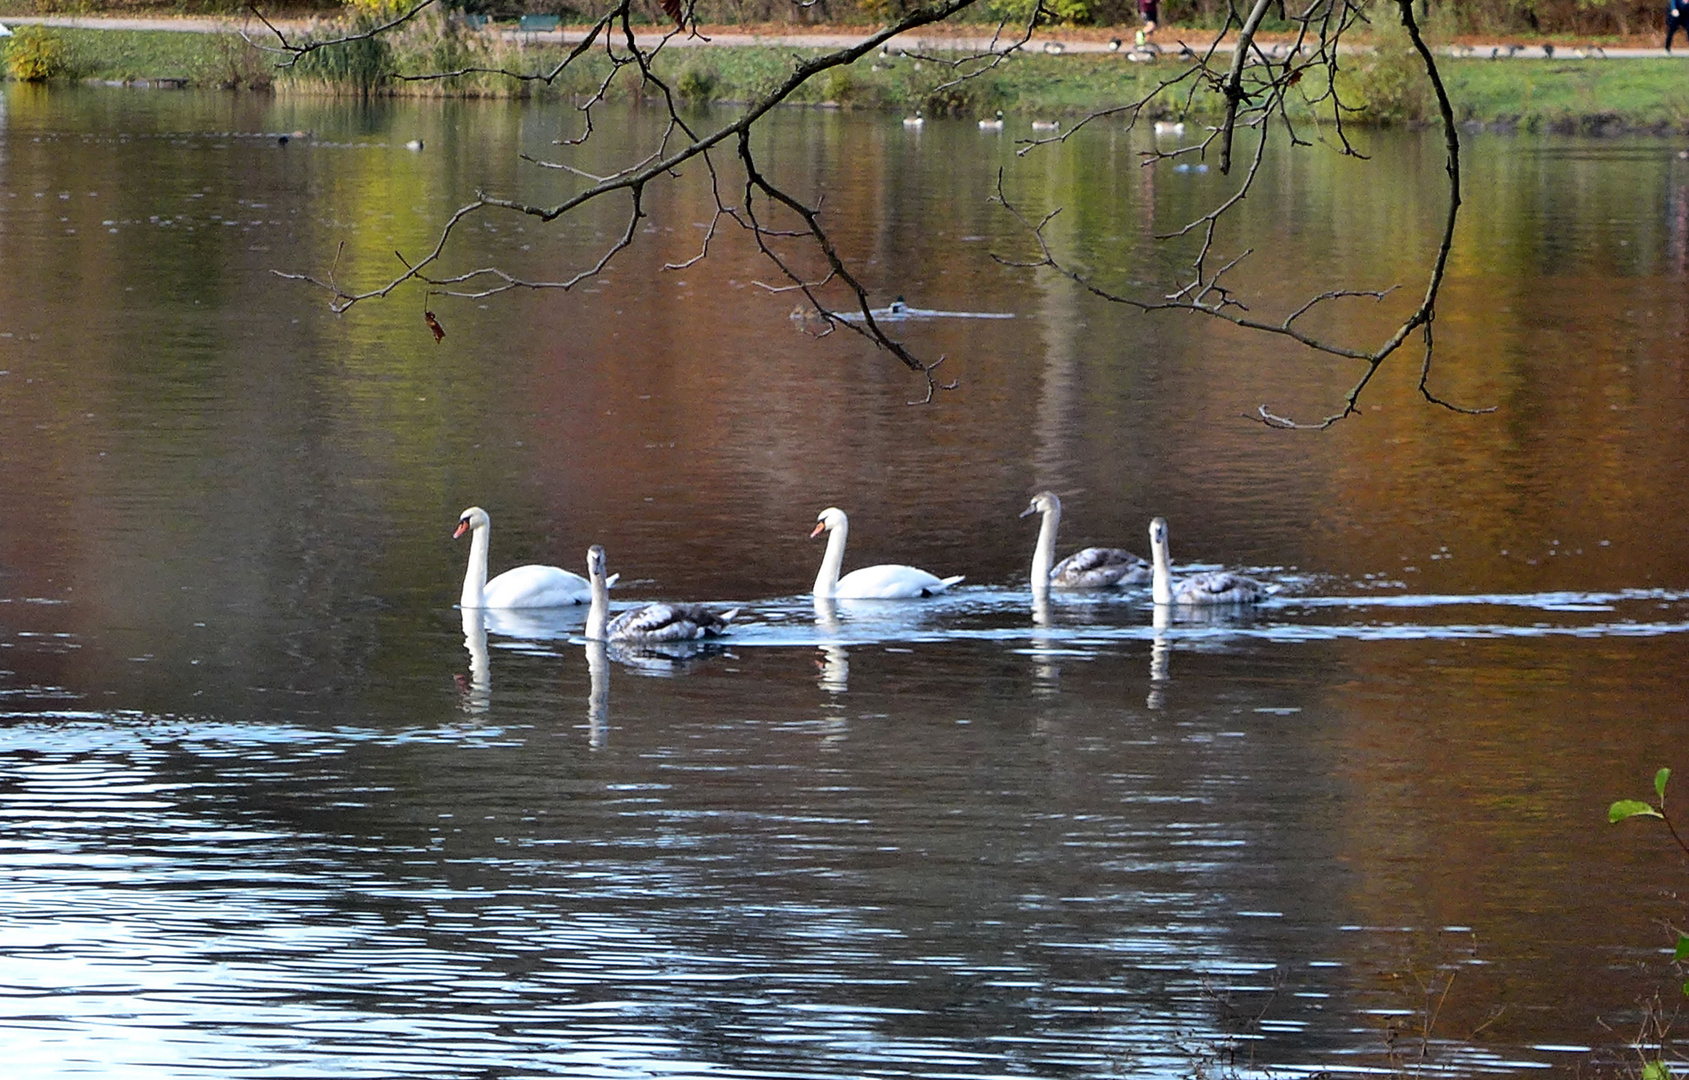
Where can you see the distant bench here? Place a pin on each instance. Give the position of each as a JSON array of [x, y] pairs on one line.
[[539, 24]]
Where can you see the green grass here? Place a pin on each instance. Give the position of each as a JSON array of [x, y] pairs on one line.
[[202, 59], [1571, 95]]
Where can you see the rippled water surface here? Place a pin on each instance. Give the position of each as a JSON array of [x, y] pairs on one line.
[[274, 807]]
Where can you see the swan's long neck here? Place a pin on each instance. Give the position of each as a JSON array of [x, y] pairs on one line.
[[599, 613], [475, 580], [827, 581], [1161, 585], [1044, 555]]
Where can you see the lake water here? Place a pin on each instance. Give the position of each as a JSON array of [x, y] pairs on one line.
[[274, 807]]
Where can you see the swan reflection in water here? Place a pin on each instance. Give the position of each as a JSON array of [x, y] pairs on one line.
[[477, 692], [598, 697], [1160, 652], [1045, 669], [1166, 616], [834, 663], [834, 668], [537, 624]]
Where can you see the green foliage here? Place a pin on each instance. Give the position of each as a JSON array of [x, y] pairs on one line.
[[1390, 81], [1624, 810], [840, 87], [696, 84], [360, 66], [35, 54], [1058, 12]]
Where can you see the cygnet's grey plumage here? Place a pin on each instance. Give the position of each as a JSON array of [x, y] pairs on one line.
[[1212, 587], [652, 623], [669, 622], [1088, 568]]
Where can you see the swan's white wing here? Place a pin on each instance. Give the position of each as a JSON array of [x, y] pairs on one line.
[[535, 586], [891, 582], [1100, 568]]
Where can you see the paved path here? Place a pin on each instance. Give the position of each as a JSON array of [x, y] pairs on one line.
[[917, 41]]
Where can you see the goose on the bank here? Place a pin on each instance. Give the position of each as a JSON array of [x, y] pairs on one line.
[[651, 623], [884, 582], [1210, 587], [531, 586], [1088, 568]]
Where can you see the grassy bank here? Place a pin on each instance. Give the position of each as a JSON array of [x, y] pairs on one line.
[[205, 60], [1555, 95], [1567, 96]]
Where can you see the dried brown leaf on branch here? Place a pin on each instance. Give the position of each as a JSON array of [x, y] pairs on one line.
[[673, 10], [434, 325]]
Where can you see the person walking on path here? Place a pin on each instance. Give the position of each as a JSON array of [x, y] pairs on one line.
[[1677, 15]]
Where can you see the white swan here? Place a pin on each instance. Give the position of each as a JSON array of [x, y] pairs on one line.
[[885, 582], [531, 586], [1088, 568], [651, 623], [1212, 587]]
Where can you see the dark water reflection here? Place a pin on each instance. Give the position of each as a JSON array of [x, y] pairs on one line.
[[274, 807]]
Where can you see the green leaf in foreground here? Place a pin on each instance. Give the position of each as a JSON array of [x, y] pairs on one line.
[[1656, 1070], [1660, 779], [1682, 952], [1625, 809]]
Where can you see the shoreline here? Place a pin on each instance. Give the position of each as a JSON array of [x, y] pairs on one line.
[[1574, 89], [956, 37]]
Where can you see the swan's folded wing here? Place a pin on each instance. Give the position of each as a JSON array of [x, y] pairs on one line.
[[535, 586], [667, 622], [890, 581], [1100, 568], [1220, 587]]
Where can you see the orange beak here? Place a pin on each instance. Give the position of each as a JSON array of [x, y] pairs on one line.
[[820, 527], [462, 527]]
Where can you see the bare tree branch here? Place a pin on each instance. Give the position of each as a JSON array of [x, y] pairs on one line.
[[1254, 87], [294, 50]]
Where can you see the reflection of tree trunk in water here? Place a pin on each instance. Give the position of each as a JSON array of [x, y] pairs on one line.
[[1058, 397], [598, 698]]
